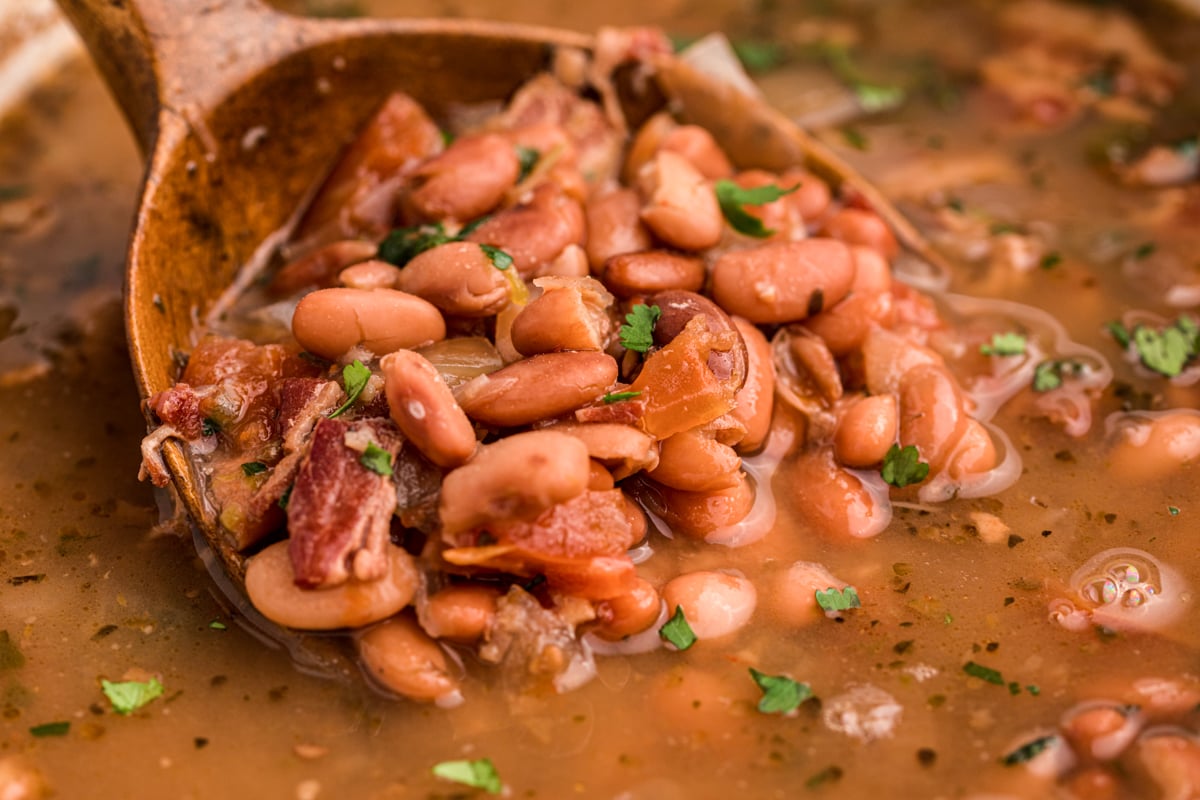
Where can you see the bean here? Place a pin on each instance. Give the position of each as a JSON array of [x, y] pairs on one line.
[[697, 514], [832, 500], [1101, 729], [572, 262], [570, 314], [461, 612], [272, 590], [1092, 783], [866, 430], [599, 478], [459, 278], [369, 275], [1172, 761], [859, 226], [693, 461], [778, 216], [621, 448], [465, 181], [814, 363], [974, 453], [514, 477], [756, 398], [404, 659], [645, 143], [423, 407], [1152, 446], [629, 613], [888, 356], [319, 267], [649, 271], [699, 147], [534, 233], [678, 308], [715, 604], [636, 516], [872, 273], [329, 322], [537, 388], [811, 197], [794, 592], [844, 327], [783, 281], [614, 226], [681, 208], [931, 414]]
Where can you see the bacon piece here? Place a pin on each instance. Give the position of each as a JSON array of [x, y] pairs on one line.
[[340, 511], [301, 402], [179, 407], [622, 412]]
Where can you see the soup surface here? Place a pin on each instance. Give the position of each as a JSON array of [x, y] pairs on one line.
[[972, 666]]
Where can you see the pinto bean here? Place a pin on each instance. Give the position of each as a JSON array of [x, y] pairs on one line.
[[866, 430], [319, 267], [974, 453], [465, 181], [571, 314], [872, 273], [678, 308], [629, 613], [697, 514], [859, 226], [404, 659], [614, 226], [832, 500], [794, 592], [515, 477], [699, 147], [783, 281], [271, 586], [695, 462], [622, 448], [329, 322], [423, 407], [780, 216], [534, 233], [636, 515], [1151, 446], [888, 356], [756, 399], [645, 143], [844, 327], [814, 363], [599, 478], [537, 388], [459, 278], [716, 604], [371, 274], [681, 208], [932, 417], [649, 271], [1171, 758], [572, 262], [811, 197], [461, 612]]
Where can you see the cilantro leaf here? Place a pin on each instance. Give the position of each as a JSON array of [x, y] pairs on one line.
[[1004, 344], [983, 673], [354, 378], [732, 198], [402, 245], [500, 259], [617, 397], [1144, 250], [1119, 332], [527, 158], [781, 694], [217, 625], [676, 631], [128, 696], [855, 138], [479, 773], [638, 332], [903, 466], [1049, 374], [1168, 351], [376, 459], [1050, 260], [209, 427], [252, 468], [871, 96], [50, 729], [758, 56], [833, 599], [1029, 750]]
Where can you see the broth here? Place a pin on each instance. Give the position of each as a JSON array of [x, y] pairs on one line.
[[94, 588]]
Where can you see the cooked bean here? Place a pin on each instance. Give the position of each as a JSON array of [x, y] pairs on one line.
[[1101, 729], [1152, 446], [888, 356], [272, 590], [779, 216], [814, 363], [329, 322], [423, 407], [716, 604], [371, 274], [404, 659], [783, 281], [844, 327], [756, 398], [696, 462], [572, 262], [932, 417], [514, 477], [866, 430], [833, 500], [811, 197], [859, 226], [699, 147], [570, 314], [645, 143], [1172, 761], [614, 226], [537, 388], [321, 266], [629, 613], [697, 514], [622, 448], [460, 612], [459, 278], [974, 453], [649, 271], [794, 592], [681, 208], [534, 233], [872, 273], [678, 308], [465, 181], [599, 478], [636, 515]]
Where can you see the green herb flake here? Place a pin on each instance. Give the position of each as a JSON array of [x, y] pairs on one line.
[[1168, 351], [619, 397], [983, 673], [1014, 688], [217, 625], [855, 138], [871, 96], [376, 459], [128, 696], [733, 199], [638, 332], [947, 618], [830, 774], [838, 599], [527, 158], [1050, 260], [500, 259], [10, 655], [286, 497], [903, 466], [1004, 344], [1119, 333], [1029, 750], [471, 227], [479, 773], [1049, 374], [758, 56], [1144, 251], [677, 632], [402, 245], [1173, 511], [252, 468], [781, 694], [354, 379], [13, 191], [209, 427], [1033, 689], [48, 729]]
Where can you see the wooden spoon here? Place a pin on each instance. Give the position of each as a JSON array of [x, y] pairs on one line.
[[242, 110]]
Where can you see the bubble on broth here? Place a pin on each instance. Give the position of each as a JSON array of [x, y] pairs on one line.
[[1124, 589]]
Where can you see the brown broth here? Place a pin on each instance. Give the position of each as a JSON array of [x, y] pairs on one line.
[[93, 587]]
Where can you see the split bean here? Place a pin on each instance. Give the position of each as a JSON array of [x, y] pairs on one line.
[[423, 407], [459, 278], [570, 314], [783, 281], [537, 388], [681, 208], [465, 181], [461, 612], [632, 274], [534, 233], [716, 604], [404, 659], [693, 461], [621, 448], [329, 322], [614, 226], [678, 309]]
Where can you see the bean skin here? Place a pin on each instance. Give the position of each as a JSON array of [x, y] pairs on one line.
[[467, 180], [859, 226], [622, 448], [697, 514], [370, 275], [832, 500], [423, 407], [866, 430], [537, 388], [614, 226], [715, 604], [678, 308], [632, 274], [272, 590], [329, 322], [783, 281], [460, 612], [695, 462], [459, 278], [570, 314], [629, 613], [681, 208], [534, 233], [756, 399], [404, 659]]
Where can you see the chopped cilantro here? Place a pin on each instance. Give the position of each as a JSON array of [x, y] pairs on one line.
[[1004, 344], [838, 599], [50, 729], [402, 245], [479, 773], [676, 631], [1168, 351], [1029, 750], [956, 205], [500, 259], [209, 427], [217, 625], [830, 774], [855, 138], [527, 158], [617, 397], [472, 226], [1049, 374], [732, 198], [354, 378], [1050, 260], [13, 191], [758, 56], [903, 466], [1173, 511], [286, 497], [1119, 332], [252, 468], [871, 96], [638, 332], [1144, 250], [1014, 688], [1033, 689], [376, 459], [128, 696], [781, 694], [983, 673]]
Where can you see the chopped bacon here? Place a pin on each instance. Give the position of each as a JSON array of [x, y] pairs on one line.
[[301, 402], [623, 412], [339, 512], [179, 407]]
